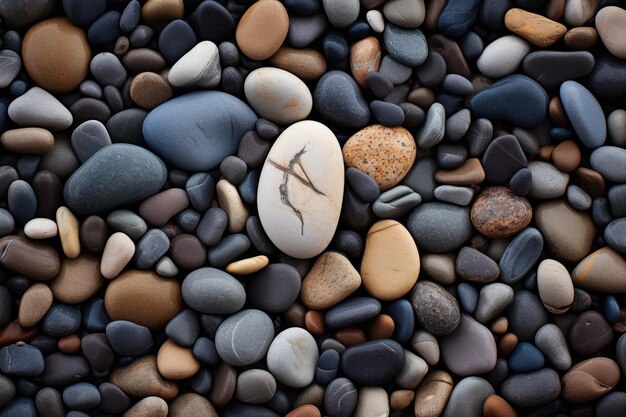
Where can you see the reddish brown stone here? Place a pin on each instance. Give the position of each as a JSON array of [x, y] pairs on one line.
[[498, 213]]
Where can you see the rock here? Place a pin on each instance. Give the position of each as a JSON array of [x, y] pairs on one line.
[[584, 113], [551, 68], [19, 15], [305, 230], [248, 266], [387, 246], [149, 89], [498, 213], [535, 28], [78, 280], [472, 265], [30, 258], [108, 70], [262, 30], [502, 159], [433, 129], [141, 378], [601, 271], [610, 22], [520, 255], [303, 30], [405, 13], [306, 64], [274, 289], [217, 133], [211, 291], [502, 57], [470, 349], [468, 397], [234, 339], [577, 12], [56, 54], [436, 309], [526, 315], [88, 138], [31, 140], [399, 41], [525, 358], [372, 401], [61, 320], [191, 405], [608, 70], [331, 279], [19, 360], [590, 379], [432, 395], [555, 286], [338, 99], [68, 227], [608, 160], [278, 95], [589, 334], [364, 58], [144, 298], [118, 251], [150, 406], [551, 341], [532, 389], [547, 181], [81, 396], [492, 301], [439, 227], [176, 362], [568, 232], [373, 363], [610, 404], [496, 406], [255, 386], [292, 357], [353, 311], [34, 304], [198, 68], [38, 108], [340, 398], [230, 201]]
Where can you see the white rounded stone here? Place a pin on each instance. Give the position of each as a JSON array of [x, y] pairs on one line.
[[502, 56], [40, 228], [292, 357], [200, 67]]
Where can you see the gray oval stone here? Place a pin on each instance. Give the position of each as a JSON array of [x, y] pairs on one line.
[[407, 46], [551, 341], [352, 311], [212, 291], [338, 99], [255, 386], [470, 349], [468, 397], [396, 202], [274, 288], [584, 113], [244, 338], [492, 301], [432, 131], [440, 227], [88, 138], [292, 357], [436, 309], [150, 248], [532, 389], [610, 161], [127, 222], [340, 398]]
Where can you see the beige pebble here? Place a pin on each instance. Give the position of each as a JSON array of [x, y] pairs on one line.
[[248, 265], [69, 232], [365, 56], [262, 29], [159, 12], [34, 304], [556, 289], [401, 399], [148, 407], [230, 201], [192, 405], [331, 279], [577, 12], [372, 402], [439, 267], [176, 362], [118, 251], [602, 271], [141, 378], [611, 25], [376, 20], [29, 140], [432, 395], [78, 280], [305, 63], [500, 325], [40, 228]]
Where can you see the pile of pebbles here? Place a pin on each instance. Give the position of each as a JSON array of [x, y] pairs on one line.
[[312, 208]]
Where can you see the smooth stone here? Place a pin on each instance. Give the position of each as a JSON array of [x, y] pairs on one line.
[[278, 95], [610, 23], [436, 309], [21, 201], [615, 236], [61, 320], [555, 286], [470, 349], [306, 64], [547, 181], [175, 40], [439, 227], [216, 132], [399, 41], [20, 407], [176, 362], [184, 328], [233, 342], [432, 72], [498, 213], [211, 291], [19, 255], [526, 315], [405, 13], [589, 334], [129, 339], [503, 56], [502, 158], [372, 401], [532, 389], [150, 248], [461, 196], [303, 30], [568, 232], [273, 289], [7, 389], [150, 406], [230, 201], [340, 398], [366, 187], [539, 30], [585, 113], [62, 369], [578, 198], [525, 358], [610, 404], [262, 29], [458, 16], [144, 298], [601, 271], [141, 378], [34, 304], [373, 363], [341, 14], [19, 360], [458, 124], [516, 99], [88, 138], [492, 301], [468, 297], [607, 77], [81, 396], [608, 161], [38, 108], [78, 280], [127, 222], [468, 397], [108, 70], [551, 341], [125, 126], [473, 265], [292, 357], [551, 68], [590, 379], [616, 124], [432, 395], [192, 405], [396, 72], [331, 279], [577, 12], [396, 202], [199, 68], [520, 255], [31, 140], [353, 311], [118, 252], [433, 129], [338, 99], [303, 233], [255, 386]]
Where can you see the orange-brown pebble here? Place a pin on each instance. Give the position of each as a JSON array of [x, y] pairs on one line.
[[496, 406], [314, 322], [500, 325], [557, 113], [307, 64], [350, 336], [545, 152], [381, 327], [262, 29], [365, 57], [30, 140], [555, 9], [306, 410], [160, 12], [470, 173], [225, 380], [56, 54], [176, 362], [581, 38], [384, 153], [423, 97], [401, 399], [149, 89], [69, 344], [506, 344], [141, 378], [591, 181], [13, 333], [535, 28], [566, 156], [497, 212]]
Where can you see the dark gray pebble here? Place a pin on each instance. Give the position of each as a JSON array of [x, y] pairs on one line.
[[327, 367], [62, 369], [212, 226], [61, 320], [503, 158], [468, 297], [204, 350], [113, 399], [432, 72], [551, 68], [108, 70], [421, 178], [125, 126], [212, 21], [21, 201], [458, 17], [532, 389], [233, 169], [526, 315], [81, 396], [373, 363], [437, 310], [237, 409], [439, 227], [6, 305], [521, 181], [88, 138], [20, 407], [407, 46], [184, 328], [98, 351], [175, 40], [105, 29], [387, 114], [340, 398], [95, 317], [362, 184], [266, 129], [338, 99], [352, 311], [228, 250], [200, 189], [128, 338], [82, 13], [150, 248], [520, 255], [49, 403], [274, 288], [303, 30]]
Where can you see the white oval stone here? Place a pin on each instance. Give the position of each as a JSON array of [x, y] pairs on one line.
[[118, 251], [502, 56], [555, 285], [200, 67], [301, 189], [292, 357], [278, 95], [40, 228]]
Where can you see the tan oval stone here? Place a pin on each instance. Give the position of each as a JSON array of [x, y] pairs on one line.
[[192, 405], [384, 153], [365, 57], [470, 173], [56, 54], [602, 271], [535, 28], [589, 379], [248, 265], [331, 279], [556, 289], [432, 394], [159, 12], [307, 64], [611, 26], [372, 402], [40, 228], [262, 29], [568, 233], [141, 378], [581, 38], [34, 304], [230, 200], [496, 406], [401, 399], [69, 232], [148, 407], [439, 267], [176, 362], [149, 89], [144, 298], [78, 280], [497, 212], [30, 140], [391, 262], [118, 251]]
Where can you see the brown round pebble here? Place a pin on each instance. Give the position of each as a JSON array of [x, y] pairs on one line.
[[176, 362], [29, 140], [159, 12], [161, 207], [350, 336], [589, 334], [589, 379], [192, 405], [384, 153], [381, 327], [423, 97], [591, 181], [314, 322], [94, 234], [581, 38], [557, 112], [470, 173], [78, 280], [149, 89], [497, 212], [401, 399], [496, 406], [141, 378], [306, 64], [143, 60], [187, 252], [506, 344], [306, 410], [224, 381], [295, 315], [34, 304], [262, 29], [56, 55], [365, 57], [69, 344], [566, 156]]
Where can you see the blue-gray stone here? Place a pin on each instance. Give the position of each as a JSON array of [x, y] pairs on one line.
[[81, 396], [551, 68], [82, 13], [244, 338], [184, 328], [204, 350], [128, 338], [584, 113], [20, 407], [22, 201], [228, 250], [212, 226], [352, 311], [526, 315], [458, 17], [610, 161], [95, 317], [196, 131], [520, 255], [517, 99], [407, 46], [327, 367], [608, 78], [21, 361], [525, 358], [339, 101], [440, 227], [200, 189], [532, 389], [130, 16], [7, 390], [88, 138], [211, 291], [61, 320], [7, 224], [468, 297], [176, 39], [340, 398], [106, 29], [615, 235], [373, 363], [248, 187], [468, 397], [115, 176], [150, 248], [396, 202]]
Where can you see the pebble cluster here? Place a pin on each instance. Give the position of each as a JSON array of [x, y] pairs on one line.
[[312, 208]]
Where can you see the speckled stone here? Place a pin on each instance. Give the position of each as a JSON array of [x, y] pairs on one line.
[[498, 213]]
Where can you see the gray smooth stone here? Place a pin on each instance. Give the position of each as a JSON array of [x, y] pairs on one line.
[[341, 13], [255, 386], [396, 72], [115, 101], [616, 124], [526, 315], [90, 88], [21, 361], [436, 309], [130, 16], [432, 72], [244, 338], [7, 390], [439, 227], [520, 255], [547, 181], [467, 296], [61, 320], [478, 136], [610, 161], [184, 328], [533, 389], [551, 68], [493, 300], [458, 124], [457, 84], [150, 248], [108, 70], [165, 267], [468, 397], [451, 156], [81, 396], [340, 398], [387, 113], [551, 341], [274, 288], [432, 132], [578, 198], [472, 45], [584, 113], [364, 186], [258, 238], [617, 200], [461, 196], [352, 311], [20, 407], [62, 369], [470, 349], [125, 126], [615, 234], [338, 99], [128, 338], [7, 224], [114, 400], [10, 65], [212, 291], [407, 46], [303, 30], [88, 138], [38, 108], [421, 178], [228, 250], [396, 202], [212, 226], [49, 403], [127, 222]]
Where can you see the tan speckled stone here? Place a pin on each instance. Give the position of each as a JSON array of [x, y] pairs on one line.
[[34, 304], [331, 279], [78, 280], [535, 28], [141, 378], [498, 213]]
